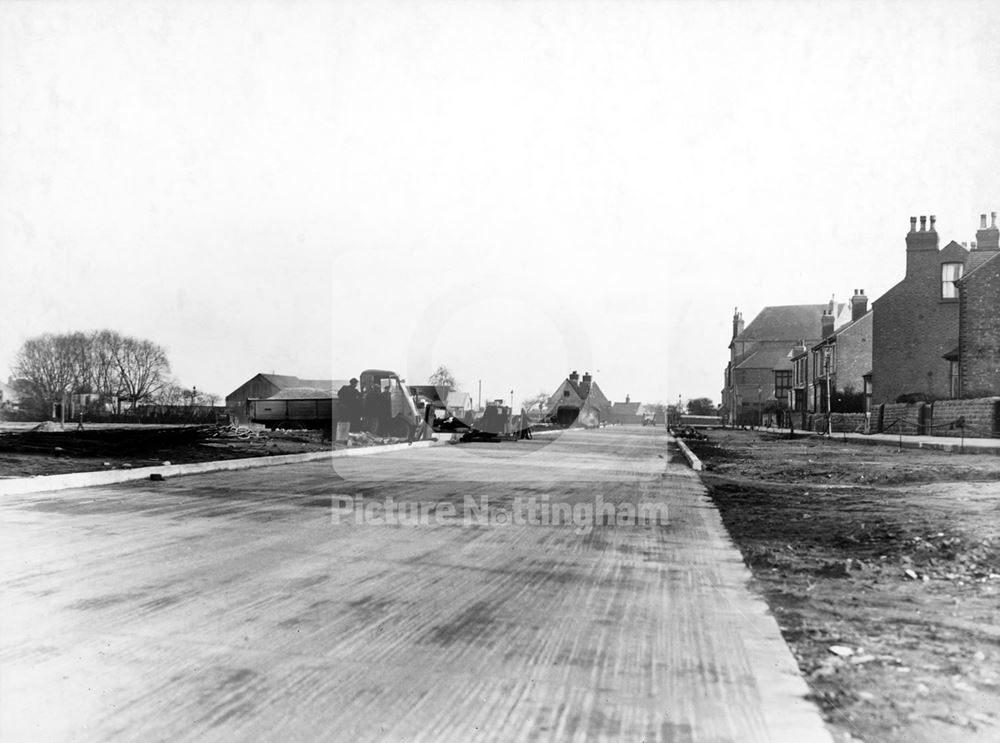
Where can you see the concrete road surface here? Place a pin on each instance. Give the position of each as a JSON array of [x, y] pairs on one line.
[[284, 604]]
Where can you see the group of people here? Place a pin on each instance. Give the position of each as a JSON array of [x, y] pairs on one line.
[[365, 411]]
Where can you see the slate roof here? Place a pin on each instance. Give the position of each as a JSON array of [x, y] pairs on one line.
[[787, 322], [625, 408], [977, 259], [767, 358]]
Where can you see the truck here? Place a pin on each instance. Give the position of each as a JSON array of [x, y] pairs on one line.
[[388, 408]]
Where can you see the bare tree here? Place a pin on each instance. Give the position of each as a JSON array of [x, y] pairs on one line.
[[51, 367], [442, 377], [104, 349], [36, 365], [143, 369], [537, 401]]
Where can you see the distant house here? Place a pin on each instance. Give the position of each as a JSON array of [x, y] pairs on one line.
[[578, 401], [10, 398], [263, 386], [841, 362], [759, 368], [625, 412], [459, 404]]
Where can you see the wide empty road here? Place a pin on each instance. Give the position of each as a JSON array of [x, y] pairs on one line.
[[277, 604]]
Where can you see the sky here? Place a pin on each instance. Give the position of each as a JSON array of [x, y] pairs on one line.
[[512, 189]]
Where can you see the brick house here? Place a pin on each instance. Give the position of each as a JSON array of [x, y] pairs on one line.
[[841, 360], [578, 401], [625, 412], [978, 352], [915, 327], [759, 368]]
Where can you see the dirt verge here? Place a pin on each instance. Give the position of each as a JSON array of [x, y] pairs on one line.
[[883, 571]]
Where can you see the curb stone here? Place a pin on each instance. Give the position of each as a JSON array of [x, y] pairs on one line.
[[45, 483]]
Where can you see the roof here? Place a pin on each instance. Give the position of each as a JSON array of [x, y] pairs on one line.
[[767, 358], [625, 408], [300, 393], [458, 399], [787, 322], [833, 337], [977, 259], [282, 381]]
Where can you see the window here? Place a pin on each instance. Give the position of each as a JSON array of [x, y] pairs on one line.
[[565, 393], [782, 384], [950, 273]]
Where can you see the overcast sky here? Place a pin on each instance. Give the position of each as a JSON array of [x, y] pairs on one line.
[[512, 189]]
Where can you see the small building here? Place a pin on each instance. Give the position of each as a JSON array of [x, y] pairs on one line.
[[459, 404], [625, 413], [10, 398], [262, 386], [578, 401]]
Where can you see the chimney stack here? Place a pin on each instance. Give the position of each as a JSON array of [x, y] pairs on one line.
[[988, 238], [826, 323], [859, 304], [585, 385], [627, 399], [921, 246], [574, 377]]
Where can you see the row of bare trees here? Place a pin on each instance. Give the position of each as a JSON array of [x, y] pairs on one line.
[[117, 369]]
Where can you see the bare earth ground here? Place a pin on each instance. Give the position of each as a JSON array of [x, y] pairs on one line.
[[270, 443], [894, 557]]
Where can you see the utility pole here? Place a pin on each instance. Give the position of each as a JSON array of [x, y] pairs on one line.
[[829, 397], [480, 394]]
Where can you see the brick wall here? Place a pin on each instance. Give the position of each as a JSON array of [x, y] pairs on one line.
[[903, 417], [981, 417], [850, 422], [979, 310]]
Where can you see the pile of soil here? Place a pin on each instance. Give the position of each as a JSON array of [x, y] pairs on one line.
[[883, 570]]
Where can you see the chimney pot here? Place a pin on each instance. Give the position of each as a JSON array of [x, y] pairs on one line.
[[982, 221], [993, 219], [923, 223], [933, 220], [913, 224]]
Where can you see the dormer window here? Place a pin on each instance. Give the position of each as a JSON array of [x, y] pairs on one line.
[[950, 273]]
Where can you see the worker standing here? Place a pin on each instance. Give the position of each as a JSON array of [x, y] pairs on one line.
[[350, 404]]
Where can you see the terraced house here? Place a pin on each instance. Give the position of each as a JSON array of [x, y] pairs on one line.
[[917, 328], [759, 375]]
